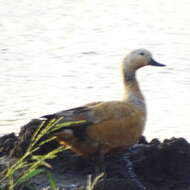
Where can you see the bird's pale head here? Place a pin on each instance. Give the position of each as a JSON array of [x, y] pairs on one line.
[[139, 58]]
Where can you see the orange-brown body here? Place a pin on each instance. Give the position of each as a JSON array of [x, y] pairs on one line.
[[109, 125], [116, 125]]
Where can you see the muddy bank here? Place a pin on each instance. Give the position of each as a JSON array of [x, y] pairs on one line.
[[151, 165]]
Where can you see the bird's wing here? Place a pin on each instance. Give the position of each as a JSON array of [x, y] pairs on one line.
[[76, 119], [95, 112], [75, 114]]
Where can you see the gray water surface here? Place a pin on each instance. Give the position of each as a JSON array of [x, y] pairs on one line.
[[60, 54]]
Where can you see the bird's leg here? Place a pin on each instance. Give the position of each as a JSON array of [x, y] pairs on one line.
[[100, 164], [99, 168], [99, 173]]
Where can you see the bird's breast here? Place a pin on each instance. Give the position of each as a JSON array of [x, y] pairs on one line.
[[119, 131]]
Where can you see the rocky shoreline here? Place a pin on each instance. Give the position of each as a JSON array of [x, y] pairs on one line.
[[151, 165]]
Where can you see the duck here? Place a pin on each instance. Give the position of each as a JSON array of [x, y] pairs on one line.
[[108, 125]]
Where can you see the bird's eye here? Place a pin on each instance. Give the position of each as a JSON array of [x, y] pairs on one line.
[[142, 53]]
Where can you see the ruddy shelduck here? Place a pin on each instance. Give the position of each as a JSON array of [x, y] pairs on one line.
[[113, 124]]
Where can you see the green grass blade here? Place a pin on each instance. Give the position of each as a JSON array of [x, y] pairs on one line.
[[28, 176], [67, 124], [46, 141], [52, 181]]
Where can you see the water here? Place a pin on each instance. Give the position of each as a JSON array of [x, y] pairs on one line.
[[60, 54]]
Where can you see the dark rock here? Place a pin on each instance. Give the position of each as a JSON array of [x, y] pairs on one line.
[[152, 166], [7, 143], [142, 140]]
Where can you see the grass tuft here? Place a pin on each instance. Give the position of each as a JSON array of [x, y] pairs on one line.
[[25, 170]]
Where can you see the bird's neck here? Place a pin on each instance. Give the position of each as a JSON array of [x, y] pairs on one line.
[[133, 93]]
